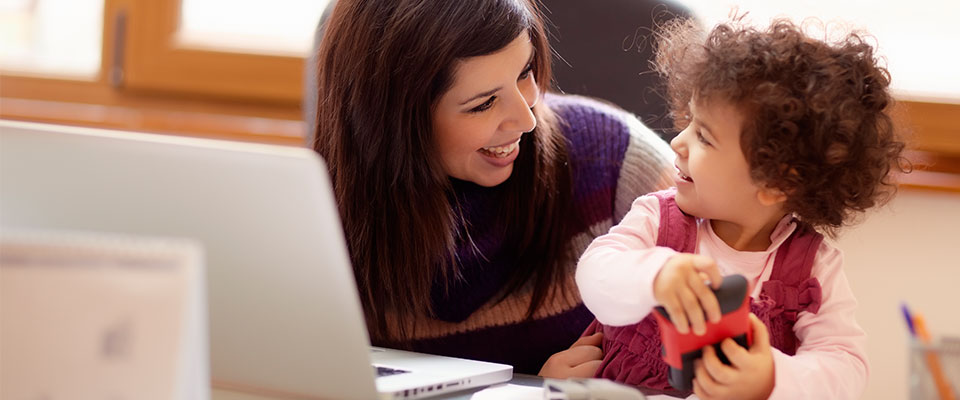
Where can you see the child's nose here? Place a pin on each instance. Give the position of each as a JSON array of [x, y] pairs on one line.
[[678, 145]]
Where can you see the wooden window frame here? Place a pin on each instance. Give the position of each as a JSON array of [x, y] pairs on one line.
[[169, 89], [155, 61], [245, 105]]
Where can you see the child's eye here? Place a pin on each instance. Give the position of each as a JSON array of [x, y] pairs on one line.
[[485, 106], [702, 139]]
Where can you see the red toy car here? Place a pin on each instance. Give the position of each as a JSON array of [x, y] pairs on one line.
[[680, 350]]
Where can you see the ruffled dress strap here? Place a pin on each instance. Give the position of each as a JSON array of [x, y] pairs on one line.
[[632, 353], [791, 288]]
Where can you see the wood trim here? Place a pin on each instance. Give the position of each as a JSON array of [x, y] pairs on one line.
[[99, 92], [99, 105], [932, 171], [155, 62], [255, 98], [176, 122], [932, 127]]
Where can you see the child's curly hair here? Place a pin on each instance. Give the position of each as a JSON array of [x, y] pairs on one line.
[[817, 123]]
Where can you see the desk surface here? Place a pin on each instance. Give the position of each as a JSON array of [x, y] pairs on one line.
[[518, 379]]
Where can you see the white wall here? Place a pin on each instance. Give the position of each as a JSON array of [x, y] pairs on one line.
[[907, 251]]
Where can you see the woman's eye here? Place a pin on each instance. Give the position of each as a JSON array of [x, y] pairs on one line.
[[485, 106], [526, 73]]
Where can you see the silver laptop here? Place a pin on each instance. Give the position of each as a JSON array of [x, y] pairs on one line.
[[284, 314]]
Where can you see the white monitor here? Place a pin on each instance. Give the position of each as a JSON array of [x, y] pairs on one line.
[[284, 314]]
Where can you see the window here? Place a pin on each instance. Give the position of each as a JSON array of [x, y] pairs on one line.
[[234, 69], [217, 68], [278, 27], [216, 47], [51, 37], [914, 36]]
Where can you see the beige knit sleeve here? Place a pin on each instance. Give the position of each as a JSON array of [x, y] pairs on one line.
[[647, 166]]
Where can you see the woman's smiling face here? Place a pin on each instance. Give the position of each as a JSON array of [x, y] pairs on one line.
[[479, 121]]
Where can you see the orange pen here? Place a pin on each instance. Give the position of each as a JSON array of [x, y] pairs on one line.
[[933, 362]]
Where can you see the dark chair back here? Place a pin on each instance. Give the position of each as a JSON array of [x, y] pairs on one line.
[[602, 49]]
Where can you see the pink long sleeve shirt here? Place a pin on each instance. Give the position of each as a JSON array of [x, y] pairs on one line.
[[615, 276]]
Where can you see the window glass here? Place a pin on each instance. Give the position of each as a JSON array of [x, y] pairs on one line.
[[916, 37], [283, 27], [59, 38]]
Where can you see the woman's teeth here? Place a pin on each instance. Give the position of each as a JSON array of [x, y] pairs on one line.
[[500, 151]]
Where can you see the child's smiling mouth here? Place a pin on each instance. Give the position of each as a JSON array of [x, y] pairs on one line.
[[683, 176]]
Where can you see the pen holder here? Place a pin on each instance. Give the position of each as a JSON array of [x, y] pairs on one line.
[[945, 354]]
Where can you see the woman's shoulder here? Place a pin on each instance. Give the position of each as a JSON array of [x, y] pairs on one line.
[[598, 128], [598, 132], [580, 115], [614, 157]]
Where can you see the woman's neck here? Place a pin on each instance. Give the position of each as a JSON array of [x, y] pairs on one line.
[[753, 235]]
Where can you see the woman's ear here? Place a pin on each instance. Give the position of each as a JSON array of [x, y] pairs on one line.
[[771, 196]]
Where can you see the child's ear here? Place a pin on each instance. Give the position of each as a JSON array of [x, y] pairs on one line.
[[771, 196]]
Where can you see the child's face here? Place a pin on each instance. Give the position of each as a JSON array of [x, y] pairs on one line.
[[713, 179]]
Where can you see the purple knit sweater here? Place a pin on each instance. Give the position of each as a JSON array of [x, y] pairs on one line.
[[614, 159]]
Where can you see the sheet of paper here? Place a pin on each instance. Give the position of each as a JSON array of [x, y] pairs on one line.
[[508, 391], [100, 317]]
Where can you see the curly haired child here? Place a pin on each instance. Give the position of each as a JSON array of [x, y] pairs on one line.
[[784, 138]]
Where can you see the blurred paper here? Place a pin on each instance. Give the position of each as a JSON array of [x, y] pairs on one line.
[[101, 317], [509, 391]]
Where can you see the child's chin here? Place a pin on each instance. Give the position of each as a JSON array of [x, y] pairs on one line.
[[684, 205]]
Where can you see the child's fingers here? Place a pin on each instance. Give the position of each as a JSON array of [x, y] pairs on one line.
[[698, 390], [708, 386], [708, 266], [708, 300], [677, 316], [720, 372], [761, 336], [737, 355], [691, 307]]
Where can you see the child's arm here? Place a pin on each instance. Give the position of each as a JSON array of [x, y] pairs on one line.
[[831, 361], [617, 273]]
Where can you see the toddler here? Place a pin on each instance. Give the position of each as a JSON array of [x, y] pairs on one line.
[[785, 138]]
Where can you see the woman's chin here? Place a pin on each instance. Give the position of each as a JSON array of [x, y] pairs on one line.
[[493, 178]]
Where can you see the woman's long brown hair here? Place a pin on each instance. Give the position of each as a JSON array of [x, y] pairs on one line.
[[382, 67]]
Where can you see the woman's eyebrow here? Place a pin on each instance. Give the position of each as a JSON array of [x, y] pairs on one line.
[[481, 95], [533, 52]]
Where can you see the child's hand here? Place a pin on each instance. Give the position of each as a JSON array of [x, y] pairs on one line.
[[750, 376], [680, 288], [581, 360]]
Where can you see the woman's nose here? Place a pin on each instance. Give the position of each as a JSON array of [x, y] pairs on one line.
[[521, 116]]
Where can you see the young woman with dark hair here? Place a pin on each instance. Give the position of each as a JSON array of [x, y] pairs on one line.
[[466, 191]]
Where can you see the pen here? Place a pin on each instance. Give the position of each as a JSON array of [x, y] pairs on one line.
[[933, 362], [909, 318]]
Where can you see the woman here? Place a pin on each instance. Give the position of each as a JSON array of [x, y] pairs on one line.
[[466, 192]]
